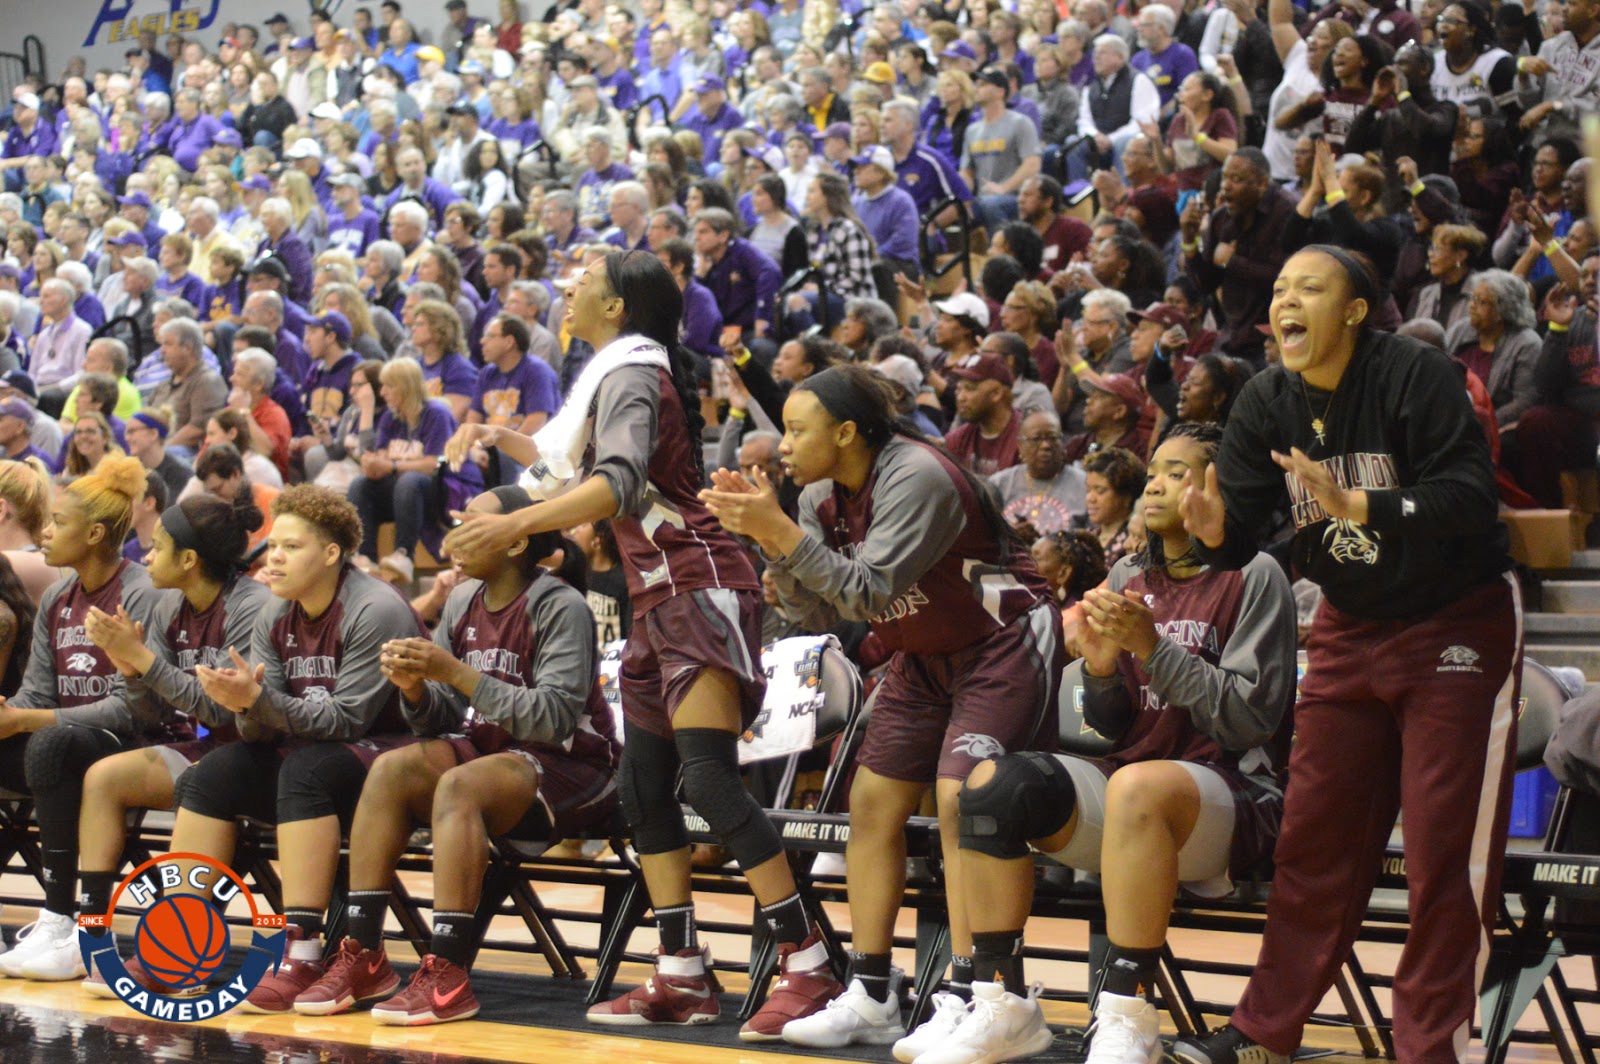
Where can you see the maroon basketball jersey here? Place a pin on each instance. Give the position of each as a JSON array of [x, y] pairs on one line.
[[671, 544], [968, 594], [502, 643], [83, 672], [1199, 615], [312, 651], [199, 637]]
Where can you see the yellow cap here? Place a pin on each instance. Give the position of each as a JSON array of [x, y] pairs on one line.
[[879, 73]]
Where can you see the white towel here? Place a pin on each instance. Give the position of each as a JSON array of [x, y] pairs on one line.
[[565, 437]]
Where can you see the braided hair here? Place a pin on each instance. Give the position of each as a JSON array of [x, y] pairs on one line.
[[653, 308], [1208, 435]]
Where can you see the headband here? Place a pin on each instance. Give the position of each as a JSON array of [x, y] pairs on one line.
[[149, 421], [1361, 279], [176, 522], [512, 497]]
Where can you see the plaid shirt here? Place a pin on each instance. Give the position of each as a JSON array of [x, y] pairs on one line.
[[845, 251]]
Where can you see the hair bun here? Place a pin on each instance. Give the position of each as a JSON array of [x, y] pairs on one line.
[[123, 474]]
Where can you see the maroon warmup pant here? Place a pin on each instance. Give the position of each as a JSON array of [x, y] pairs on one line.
[[1417, 716]]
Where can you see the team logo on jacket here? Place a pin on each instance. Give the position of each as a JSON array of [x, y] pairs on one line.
[[182, 939], [80, 662], [979, 746], [1348, 541], [1459, 659]]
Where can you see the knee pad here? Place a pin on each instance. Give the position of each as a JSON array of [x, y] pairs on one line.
[[62, 753], [323, 779], [1030, 796], [647, 789], [237, 779], [712, 785]]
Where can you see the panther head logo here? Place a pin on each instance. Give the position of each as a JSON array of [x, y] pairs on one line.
[[1459, 655], [80, 662], [979, 746]]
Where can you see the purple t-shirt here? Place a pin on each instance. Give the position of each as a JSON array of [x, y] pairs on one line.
[[327, 389], [428, 436], [451, 375], [505, 398]]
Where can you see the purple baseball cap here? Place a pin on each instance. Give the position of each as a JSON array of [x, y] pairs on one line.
[[959, 50], [129, 239], [135, 199], [258, 183], [334, 322]]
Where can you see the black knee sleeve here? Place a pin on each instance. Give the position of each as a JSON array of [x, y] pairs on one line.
[[1030, 796], [237, 779], [54, 764], [712, 785], [647, 787], [323, 779]]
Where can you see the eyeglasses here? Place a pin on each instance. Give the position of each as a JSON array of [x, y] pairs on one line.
[[1039, 441], [1098, 321]]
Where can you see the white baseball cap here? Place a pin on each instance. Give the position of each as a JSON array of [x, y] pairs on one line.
[[26, 99], [304, 148], [327, 110], [965, 305]]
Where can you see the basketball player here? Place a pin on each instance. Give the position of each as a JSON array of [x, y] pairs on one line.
[[196, 549], [1191, 671], [529, 753], [73, 707], [894, 532], [1370, 441], [691, 673], [318, 710]]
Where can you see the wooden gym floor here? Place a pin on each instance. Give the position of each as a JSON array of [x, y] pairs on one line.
[[44, 1023]]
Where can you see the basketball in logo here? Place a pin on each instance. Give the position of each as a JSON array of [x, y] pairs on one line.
[[182, 940]]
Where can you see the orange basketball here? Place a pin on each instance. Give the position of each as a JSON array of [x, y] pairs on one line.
[[181, 941]]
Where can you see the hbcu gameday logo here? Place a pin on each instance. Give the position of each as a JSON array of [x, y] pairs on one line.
[[182, 939]]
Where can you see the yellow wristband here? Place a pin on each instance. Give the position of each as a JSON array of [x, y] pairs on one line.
[[1080, 369], [1418, 189], [1190, 249], [1200, 138], [1553, 247], [1555, 328], [1334, 198], [1522, 64], [741, 357], [739, 414], [1404, 96]]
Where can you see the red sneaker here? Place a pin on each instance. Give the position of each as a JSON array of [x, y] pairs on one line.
[[95, 986], [276, 993], [355, 975], [439, 992], [805, 985], [682, 991]]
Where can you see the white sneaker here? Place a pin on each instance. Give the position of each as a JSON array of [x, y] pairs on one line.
[[46, 949], [999, 1027], [1126, 1031], [948, 1012], [853, 1017]]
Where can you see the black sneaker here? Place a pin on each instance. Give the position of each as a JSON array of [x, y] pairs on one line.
[[1225, 1046]]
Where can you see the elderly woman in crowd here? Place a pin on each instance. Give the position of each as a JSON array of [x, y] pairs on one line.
[[1498, 343]]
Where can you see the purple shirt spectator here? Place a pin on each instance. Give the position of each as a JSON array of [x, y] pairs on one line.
[[296, 257], [328, 388], [742, 302], [89, 309], [891, 219], [433, 195], [352, 234], [712, 128], [1167, 69], [505, 398], [702, 321], [451, 375], [20, 145], [524, 133], [185, 141], [188, 287]]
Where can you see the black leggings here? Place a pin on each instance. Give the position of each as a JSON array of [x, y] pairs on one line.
[[50, 765], [278, 786]]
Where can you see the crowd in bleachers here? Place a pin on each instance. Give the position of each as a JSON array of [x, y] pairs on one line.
[[326, 272]]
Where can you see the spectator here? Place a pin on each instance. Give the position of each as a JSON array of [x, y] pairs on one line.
[[1000, 152], [87, 447], [415, 184], [352, 225], [1113, 481], [109, 357], [1558, 434], [232, 427], [986, 440], [1403, 119], [1210, 387], [777, 233], [16, 432], [1071, 562], [268, 115], [595, 183], [702, 319], [1498, 343], [56, 354], [1451, 253], [732, 264], [1563, 76], [283, 243], [1030, 312], [1041, 494], [29, 137], [220, 471], [1114, 108], [265, 310], [190, 133], [397, 481], [147, 437], [866, 321], [712, 117], [254, 374], [1166, 62], [887, 212], [1203, 133], [334, 461], [949, 113], [1112, 408], [192, 392], [565, 234], [628, 208], [1353, 218], [436, 332], [1244, 249], [176, 278], [1040, 203]]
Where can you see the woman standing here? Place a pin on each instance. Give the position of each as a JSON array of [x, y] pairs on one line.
[[840, 245], [892, 531], [1369, 441], [691, 669], [73, 708], [196, 549], [1203, 134]]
